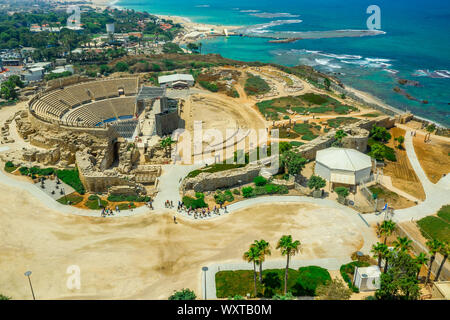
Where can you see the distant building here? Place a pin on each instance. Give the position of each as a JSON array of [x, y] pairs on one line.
[[343, 166], [110, 28], [176, 81], [32, 75]]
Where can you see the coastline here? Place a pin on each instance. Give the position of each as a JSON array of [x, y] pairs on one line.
[[192, 28]]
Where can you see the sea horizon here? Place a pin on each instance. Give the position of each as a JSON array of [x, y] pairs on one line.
[[372, 64]]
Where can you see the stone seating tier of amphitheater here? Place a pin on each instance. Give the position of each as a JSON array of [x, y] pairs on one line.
[[94, 112], [55, 104]]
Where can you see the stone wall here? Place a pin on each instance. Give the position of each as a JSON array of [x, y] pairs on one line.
[[224, 179]]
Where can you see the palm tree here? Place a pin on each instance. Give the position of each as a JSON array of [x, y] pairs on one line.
[[420, 260], [288, 248], [445, 250], [386, 229], [264, 249], [378, 250], [434, 246], [252, 255], [387, 254], [402, 244]]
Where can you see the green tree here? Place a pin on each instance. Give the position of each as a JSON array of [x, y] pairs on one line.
[[121, 66], [400, 281], [342, 192], [194, 47], [293, 162], [316, 182], [272, 282], [334, 289], [253, 255], [184, 294], [400, 140], [379, 251], [420, 260], [386, 228], [327, 83], [445, 250], [380, 134], [402, 244], [339, 135], [288, 248], [377, 151], [430, 128], [166, 144], [264, 250], [434, 246]]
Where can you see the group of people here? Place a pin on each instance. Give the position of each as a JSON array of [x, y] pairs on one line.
[[109, 212], [168, 204], [200, 213]]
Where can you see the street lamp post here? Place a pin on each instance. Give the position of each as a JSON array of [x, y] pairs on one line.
[[28, 274], [204, 272]]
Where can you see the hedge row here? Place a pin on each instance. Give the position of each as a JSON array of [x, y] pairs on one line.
[[121, 198]]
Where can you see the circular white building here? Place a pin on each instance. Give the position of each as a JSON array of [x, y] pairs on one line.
[[343, 166]]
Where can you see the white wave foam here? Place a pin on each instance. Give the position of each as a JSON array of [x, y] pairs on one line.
[[442, 74], [202, 6], [270, 15], [249, 11], [258, 28]]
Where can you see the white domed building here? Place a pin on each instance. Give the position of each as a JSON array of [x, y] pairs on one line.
[[343, 166]]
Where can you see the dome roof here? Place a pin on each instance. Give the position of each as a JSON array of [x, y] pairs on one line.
[[343, 159]]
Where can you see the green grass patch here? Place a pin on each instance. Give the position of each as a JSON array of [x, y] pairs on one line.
[[126, 206], [121, 198], [444, 213], [217, 167], [255, 85], [72, 178], [296, 143], [339, 121], [372, 115], [10, 167], [93, 204], [71, 199], [240, 282], [433, 227], [309, 136], [313, 98]]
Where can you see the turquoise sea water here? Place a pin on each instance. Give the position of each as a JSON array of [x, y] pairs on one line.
[[416, 45]]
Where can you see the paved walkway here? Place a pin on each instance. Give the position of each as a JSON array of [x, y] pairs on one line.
[[437, 194], [209, 284]]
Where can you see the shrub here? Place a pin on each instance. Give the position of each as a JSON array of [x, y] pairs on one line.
[[255, 85], [222, 197], [248, 192], [9, 164], [309, 279], [271, 282], [190, 202], [260, 181], [93, 197], [316, 182], [121, 66], [342, 191], [121, 198], [184, 294], [237, 192], [211, 86]]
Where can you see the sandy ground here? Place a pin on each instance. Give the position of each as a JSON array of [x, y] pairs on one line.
[[433, 156], [147, 256], [402, 174]]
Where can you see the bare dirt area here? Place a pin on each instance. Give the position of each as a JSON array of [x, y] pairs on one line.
[[148, 256], [402, 173], [434, 157]]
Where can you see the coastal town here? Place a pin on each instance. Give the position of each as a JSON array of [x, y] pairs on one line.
[[162, 172]]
